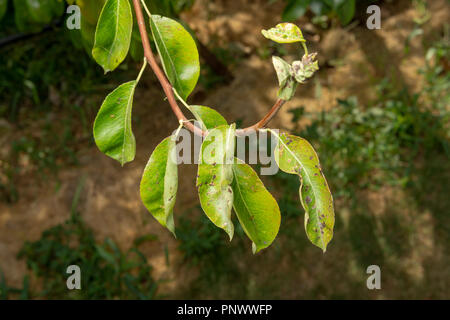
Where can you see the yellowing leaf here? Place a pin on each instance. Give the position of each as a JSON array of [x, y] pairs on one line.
[[284, 33]]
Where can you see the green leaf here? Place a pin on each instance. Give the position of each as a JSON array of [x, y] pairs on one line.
[[3, 8], [215, 175], [112, 126], [346, 11], [284, 33], [209, 118], [113, 34], [41, 11], [287, 83], [159, 183], [256, 209], [319, 7], [295, 155], [178, 53], [295, 9], [23, 19]]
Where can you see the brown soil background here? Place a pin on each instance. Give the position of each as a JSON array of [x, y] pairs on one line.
[[110, 202]]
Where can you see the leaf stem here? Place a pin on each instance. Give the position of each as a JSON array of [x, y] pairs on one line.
[[181, 99], [146, 9], [141, 72], [168, 89], [305, 48]]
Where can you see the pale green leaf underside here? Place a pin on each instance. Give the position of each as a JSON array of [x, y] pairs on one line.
[[287, 83], [295, 155], [284, 33], [209, 118], [215, 175], [113, 34], [159, 183], [112, 126], [178, 53], [256, 209]]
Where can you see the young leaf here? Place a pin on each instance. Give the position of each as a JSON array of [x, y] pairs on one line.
[[284, 71], [256, 209], [178, 53], [295, 155], [112, 126], [159, 183], [209, 118], [215, 175], [284, 33], [113, 34], [305, 69]]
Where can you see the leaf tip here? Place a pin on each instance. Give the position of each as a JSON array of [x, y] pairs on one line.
[[255, 248], [230, 231]]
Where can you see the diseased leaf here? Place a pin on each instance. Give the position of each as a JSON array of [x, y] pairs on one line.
[[215, 175], [178, 53], [295, 155], [112, 126], [209, 118], [113, 34], [159, 183], [286, 80], [306, 68], [284, 33], [256, 209]]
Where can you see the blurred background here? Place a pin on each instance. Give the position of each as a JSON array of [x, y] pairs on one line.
[[377, 112]]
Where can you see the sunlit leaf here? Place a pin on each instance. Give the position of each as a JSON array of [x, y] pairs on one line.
[[215, 175], [284, 33], [159, 183], [112, 126], [209, 118], [113, 34], [295, 155], [256, 209], [178, 53]]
